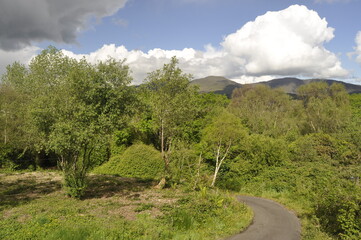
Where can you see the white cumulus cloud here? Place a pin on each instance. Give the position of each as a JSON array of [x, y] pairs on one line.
[[289, 42], [199, 63], [23, 56]]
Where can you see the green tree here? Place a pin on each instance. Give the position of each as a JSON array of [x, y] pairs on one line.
[[266, 111], [327, 107], [171, 99], [73, 109], [220, 136], [13, 114]]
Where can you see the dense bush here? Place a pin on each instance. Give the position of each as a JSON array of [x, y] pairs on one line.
[[75, 183], [256, 153], [16, 159], [339, 209], [185, 165], [139, 160], [204, 209], [324, 147]]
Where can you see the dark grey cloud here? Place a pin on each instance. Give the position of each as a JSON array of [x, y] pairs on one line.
[[25, 21]]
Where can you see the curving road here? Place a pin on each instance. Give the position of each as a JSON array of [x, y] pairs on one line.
[[271, 221]]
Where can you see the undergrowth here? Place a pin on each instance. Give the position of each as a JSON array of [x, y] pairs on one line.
[[326, 201], [117, 208]]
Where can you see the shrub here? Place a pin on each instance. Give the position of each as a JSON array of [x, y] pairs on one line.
[[257, 153], [339, 209], [324, 147], [75, 183], [264, 151], [12, 158], [139, 161]]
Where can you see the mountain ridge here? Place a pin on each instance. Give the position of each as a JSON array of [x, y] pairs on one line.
[[222, 85]]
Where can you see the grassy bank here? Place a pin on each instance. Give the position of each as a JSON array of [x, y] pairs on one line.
[[322, 196], [33, 206]]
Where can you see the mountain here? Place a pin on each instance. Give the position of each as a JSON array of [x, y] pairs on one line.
[[225, 86], [289, 85], [216, 84]]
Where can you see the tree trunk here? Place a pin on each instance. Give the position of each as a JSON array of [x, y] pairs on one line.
[[219, 161], [5, 130], [198, 171], [162, 142], [215, 176], [161, 184], [218, 164]]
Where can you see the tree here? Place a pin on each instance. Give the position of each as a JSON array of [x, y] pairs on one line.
[[73, 108], [327, 108], [171, 99], [224, 132], [13, 115], [265, 110]]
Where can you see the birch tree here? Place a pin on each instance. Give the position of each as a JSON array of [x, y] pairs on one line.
[[171, 100], [220, 136]]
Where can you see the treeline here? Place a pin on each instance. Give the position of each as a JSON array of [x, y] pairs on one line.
[[74, 115]]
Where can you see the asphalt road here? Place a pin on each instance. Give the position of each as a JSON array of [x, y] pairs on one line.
[[271, 221]]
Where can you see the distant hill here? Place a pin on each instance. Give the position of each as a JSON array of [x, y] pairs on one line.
[[216, 84], [289, 85], [225, 86]]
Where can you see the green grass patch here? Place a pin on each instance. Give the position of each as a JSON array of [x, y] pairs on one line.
[[116, 208]]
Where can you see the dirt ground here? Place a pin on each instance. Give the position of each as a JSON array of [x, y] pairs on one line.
[[129, 196]]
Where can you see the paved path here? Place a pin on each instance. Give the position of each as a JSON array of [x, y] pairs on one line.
[[271, 221]]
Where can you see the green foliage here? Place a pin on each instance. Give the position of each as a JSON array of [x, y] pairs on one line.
[[13, 158], [139, 160], [220, 137], [5, 162], [207, 106], [264, 151], [74, 183], [325, 198], [266, 111], [339, 209], [256, 154], [184, 165], [123, 137], [326, 107], [324, 147], [223, 129], [71, 109], [353, 131], [206, 207], [171, 98], [355, 102], [304, 151]]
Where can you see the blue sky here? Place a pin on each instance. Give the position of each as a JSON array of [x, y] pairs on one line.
[[209, 36]]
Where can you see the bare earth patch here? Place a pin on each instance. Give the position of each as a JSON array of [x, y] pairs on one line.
[[106, 195]]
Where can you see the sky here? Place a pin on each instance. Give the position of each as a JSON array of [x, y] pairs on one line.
[[243, 40]]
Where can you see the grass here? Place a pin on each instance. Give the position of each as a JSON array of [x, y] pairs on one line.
[[33, 206]]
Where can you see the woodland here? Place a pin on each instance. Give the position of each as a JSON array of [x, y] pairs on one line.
[[88, 126]]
